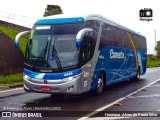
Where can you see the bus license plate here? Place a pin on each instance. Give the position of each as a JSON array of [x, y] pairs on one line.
[[46, 88]]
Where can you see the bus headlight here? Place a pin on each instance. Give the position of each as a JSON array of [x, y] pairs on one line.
[[68, 79], [72, 78], [26, 77]]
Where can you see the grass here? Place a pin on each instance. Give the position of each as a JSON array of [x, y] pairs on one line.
[[10, 79], [13, 78], [12, 32], [152, 62]]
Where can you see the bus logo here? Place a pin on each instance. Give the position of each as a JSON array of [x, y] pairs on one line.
[[6, 114], [114, 54], [68, 74], [101, 57]]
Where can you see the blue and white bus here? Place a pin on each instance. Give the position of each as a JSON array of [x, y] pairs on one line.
[[73, 55]]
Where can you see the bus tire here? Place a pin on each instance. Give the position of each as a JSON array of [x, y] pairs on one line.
[[26, 89], [100, 84], [137, 78]]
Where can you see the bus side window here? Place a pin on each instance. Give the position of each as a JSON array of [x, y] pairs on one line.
[[108, 36], [120, 40], [127, 41], [139, 42]]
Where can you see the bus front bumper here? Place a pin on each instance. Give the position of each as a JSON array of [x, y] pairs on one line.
[[62, 86]]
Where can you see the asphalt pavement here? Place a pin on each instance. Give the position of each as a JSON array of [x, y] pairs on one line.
[[126, 97]]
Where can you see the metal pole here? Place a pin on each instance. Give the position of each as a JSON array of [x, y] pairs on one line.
[[155, 42], [155, 37]]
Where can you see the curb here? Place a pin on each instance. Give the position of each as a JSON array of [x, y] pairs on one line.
[[153, 66], [14, 86], [2, 88]]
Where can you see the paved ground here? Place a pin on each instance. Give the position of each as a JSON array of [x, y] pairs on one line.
[[144, 104], [128, 96]]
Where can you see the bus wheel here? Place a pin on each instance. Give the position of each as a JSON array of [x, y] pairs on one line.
[[100, 84], [137, 78]]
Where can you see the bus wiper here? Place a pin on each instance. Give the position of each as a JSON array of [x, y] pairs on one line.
[[54, 52], [41, 55]]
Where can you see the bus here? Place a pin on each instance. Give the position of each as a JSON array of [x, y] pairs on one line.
[[74, 55]]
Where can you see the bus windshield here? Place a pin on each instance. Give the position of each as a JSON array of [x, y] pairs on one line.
[[53, 46]]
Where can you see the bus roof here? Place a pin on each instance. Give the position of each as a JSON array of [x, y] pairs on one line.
[[59, 19], [62, 18], [111, 22]]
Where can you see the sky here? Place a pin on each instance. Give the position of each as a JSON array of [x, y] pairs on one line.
[[125, 12]]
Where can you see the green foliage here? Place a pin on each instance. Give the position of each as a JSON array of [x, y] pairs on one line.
[[152, 62], [12, 32], [11, 78], [52, 10], [157, 48]]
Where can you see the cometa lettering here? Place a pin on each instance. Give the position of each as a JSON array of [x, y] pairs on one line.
[[119, 55]]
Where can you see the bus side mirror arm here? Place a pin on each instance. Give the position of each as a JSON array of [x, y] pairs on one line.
[[18, 36], [80, 35]]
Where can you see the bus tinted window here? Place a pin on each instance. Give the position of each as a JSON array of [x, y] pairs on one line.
[[108, 36], [139, 42], [127, 41], [93, 24], [62, 29], [114, 36], [120, 40]]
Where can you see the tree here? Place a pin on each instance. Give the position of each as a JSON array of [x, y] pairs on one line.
[[157, 48], [52, 10]]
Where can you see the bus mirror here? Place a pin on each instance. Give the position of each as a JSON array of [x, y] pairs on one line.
[[80, 35], [18, 38]]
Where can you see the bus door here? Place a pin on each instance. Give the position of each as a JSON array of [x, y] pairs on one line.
[[89, 54], [85, 62]]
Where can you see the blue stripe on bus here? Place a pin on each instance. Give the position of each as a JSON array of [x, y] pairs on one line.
[[60, 20], [51, 76]]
